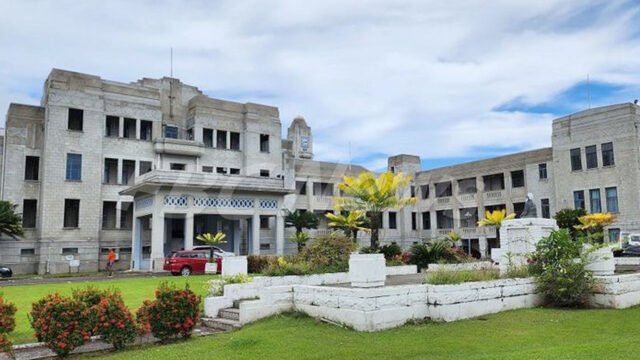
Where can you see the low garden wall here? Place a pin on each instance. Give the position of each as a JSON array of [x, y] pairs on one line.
[[476, 265], [627, 260], [617, 292]]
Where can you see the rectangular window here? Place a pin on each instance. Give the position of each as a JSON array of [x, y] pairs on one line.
[[493, 182], [234, 171], [75, 119], [426, 220], [612, 199], [221, 139], [207, 169], [71, 213], [145, 167], [264, 222], [146, 130], [413, 191], [264, 173], [614, 235], [129, 130], [467, 186], [74, 167], [576, 160], [126, 215], [517, 179], [323, 189], [444, 219], [70, 251], [414, 221], [424, 191], [108, 214], [492, 208], [468, 217], [264, 143], [545, 208], [221, 170], [31, 167], [110, 171], [301, 187], [594, 201], [443, 189], [542, 171], [393, 222], [235, 141], [128, 171], [177, 166], [592, 156], [207, 137], [607, 154], [112, 126], [27, 252], [170, 132], [29, 211], [518, 208], [578, 199]]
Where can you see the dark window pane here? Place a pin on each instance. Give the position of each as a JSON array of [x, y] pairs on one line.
[[170, 132], [545, 208], [74, 167], [607, 154], [392, 220], [467, 186], [426, 220], [592, 156], [576, 160], [578, 199], [443, 189], [612, 199], [29, 211], [32, 168], [517, 178], [542, 171], [594, 201], [75, 119], [71, 213]]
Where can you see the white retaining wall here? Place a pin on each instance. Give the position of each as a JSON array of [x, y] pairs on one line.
[[476, 265], [617, 292], [627, 260]]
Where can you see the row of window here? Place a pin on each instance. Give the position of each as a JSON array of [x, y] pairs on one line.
[[591, 155], [595, 202], [319, 188], [129, 128], [72, 213]]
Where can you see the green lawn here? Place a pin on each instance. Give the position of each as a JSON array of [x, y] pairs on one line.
[[521, 334], [134, 291]]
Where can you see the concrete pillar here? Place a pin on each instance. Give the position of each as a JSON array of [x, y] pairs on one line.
[[236, 236], [228, 140], [279, 233], [120, 127], [118, 210], [137, 128], [483, 245], [197, 133], [255, 233], [310, 206], [136, 244], [188, 231], [119, 180], [434, 223], [214, 141], [157, 241]]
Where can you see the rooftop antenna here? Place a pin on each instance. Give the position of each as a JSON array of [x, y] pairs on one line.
[[588, 91]]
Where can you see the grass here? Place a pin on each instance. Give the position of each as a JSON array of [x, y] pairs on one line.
[[522, 334], [445, 277], [134, 291]]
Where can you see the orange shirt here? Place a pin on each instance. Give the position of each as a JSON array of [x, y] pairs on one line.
[[112, 256]]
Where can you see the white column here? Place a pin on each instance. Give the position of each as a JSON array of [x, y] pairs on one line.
[[118, 210], [310, 205], [157, 239], [119, 172], [214, 141], [188, 231], [137, 128], [279, 233], [236, 236], [136, 244], [482, 242], [228, 139], [255, 233], [120, 127]]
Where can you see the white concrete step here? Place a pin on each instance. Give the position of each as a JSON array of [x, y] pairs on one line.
[[230, 314], [221, 324]]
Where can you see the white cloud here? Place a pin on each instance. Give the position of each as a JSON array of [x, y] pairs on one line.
[[405, 76]]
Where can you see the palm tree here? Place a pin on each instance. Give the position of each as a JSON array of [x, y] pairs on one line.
[[301, 219], [495, 218], [352, 223], [300, 238], [373, 196], [212, 240], [10, 221]]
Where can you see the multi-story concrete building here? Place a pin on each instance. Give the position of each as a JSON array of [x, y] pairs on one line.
[[146, 166]]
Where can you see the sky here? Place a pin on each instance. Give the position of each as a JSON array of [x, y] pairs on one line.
[[450, 81]]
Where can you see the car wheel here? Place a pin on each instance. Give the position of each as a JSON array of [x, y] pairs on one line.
[[185, 271]]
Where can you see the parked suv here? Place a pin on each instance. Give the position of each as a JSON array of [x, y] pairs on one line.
[[187, 262]]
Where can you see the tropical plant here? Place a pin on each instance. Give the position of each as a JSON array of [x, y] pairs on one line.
[[351, 223], [593, 225], [288, 266], [7, 325], [299, 238], [257, 263], [10, 221], [373, 196], [329, 253], [301, 219], [568, 219], [212, 240], [439, 251], [390, 251], [495, 218], [453, 237]]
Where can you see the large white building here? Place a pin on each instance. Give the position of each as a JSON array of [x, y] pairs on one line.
[[144, 167]]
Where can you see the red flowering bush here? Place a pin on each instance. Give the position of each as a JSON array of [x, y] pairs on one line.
[[174, 312], [62, 323], [7, 324], [90, 296], [115, 323]]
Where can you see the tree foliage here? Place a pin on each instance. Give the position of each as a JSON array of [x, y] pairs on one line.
[[301, 219], [211, 240], [10, 221], [350, 223], [568, 219]]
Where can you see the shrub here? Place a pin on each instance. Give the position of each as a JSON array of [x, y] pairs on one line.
[[258, 263], [217, 286], [62, 323], [568, 219], [283, 266], [7, 325], [390, 251], [91, 297], [445, 277], [115, 323], [367, 250], [329, 253], [562, 280], [37, 309], [437, 252], [173, 313]]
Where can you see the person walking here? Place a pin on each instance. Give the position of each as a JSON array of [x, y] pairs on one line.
[[110, 261]]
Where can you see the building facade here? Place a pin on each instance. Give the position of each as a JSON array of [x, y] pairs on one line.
[[144, 167]]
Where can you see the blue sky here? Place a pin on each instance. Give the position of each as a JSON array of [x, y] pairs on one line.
[[448, 81]]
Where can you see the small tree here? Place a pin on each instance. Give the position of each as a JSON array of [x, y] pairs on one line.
[[352, 223], [593, 225], [300, 239], [300, 219], [10, 221], [568, 219], [212, 240], [495, 218], [373, 195]]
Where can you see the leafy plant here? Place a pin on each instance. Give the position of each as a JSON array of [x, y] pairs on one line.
[[350, 223], [568, 219], [300, 239], [439, 251], [390, 251], [495, 218], [7, 325], [257, 263], [373, 195], [115, 323], [212, 240], [10, 221], [300, 220], [283, 266], [593, 225], [445, 277], [217, 286], [90, 296], [329, 253]]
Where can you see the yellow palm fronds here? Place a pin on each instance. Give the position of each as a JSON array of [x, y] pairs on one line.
[[495, 218], [595, 221], [355, 220], [366, 192]]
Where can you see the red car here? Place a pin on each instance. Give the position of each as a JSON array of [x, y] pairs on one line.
[[187, 262]]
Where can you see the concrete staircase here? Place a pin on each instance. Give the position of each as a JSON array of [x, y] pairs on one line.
[[228, 319]]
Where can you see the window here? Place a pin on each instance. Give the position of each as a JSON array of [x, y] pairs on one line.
[[594, 201], [443, 189], [207, 137], [221, 139], [414, 221], [69, 251], [607, 154], [612, 199], [518, 208], [146, 130], [207, 169], [128, 171], [110, 171], [264, 143], [75, 119], [468, 217], [71, 213], [264, 222], [576, 160], [170, 132], [493, 182], [29, 211], [424, 190], [74, 167], [413, 191], [614, 235], [542, 171], [177, 166], [444, 219], [108, 214], [145, 167], [31, 167], [264, 173], [426, 220], [592, 156], [517, 179], [221, 170], [301, 187], [129, 130], [323, 189], [578, 199], [126, 215], [27, 252], [112, 126], [467, 186], [234, 171], [235, 141], [545, 208], [492, 208], [393, 221]]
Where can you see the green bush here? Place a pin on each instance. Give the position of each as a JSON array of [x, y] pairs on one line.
[[258, 263], [437, 252], [90, 296], [562, 280], [568, 219], [390, 251], [115, 322], [328, 253], [367, 250], [283, 267], [446, 277]]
